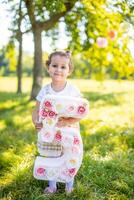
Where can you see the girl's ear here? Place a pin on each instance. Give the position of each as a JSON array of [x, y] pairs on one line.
[[47, 65], [47, 68], [69, 73]]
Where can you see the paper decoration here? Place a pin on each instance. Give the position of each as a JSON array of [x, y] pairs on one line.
[[63, 167], [112, 34], [102, 42]]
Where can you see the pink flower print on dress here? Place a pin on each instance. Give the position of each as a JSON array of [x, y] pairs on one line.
[[64, 174], [72, 171], [52, 114], [44, 113], [46, 135], [40, 171], [58, 136], [75, 149], [76, 140], [71, 108], [67, 141], [47, 104], [81, 110]]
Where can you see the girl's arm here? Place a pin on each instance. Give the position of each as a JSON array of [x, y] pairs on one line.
[[66, 121], [35, 117]]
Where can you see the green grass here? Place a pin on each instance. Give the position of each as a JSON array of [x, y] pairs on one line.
[[107, 172]]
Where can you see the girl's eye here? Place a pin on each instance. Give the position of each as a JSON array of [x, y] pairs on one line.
[[54, 66], [63, 67]]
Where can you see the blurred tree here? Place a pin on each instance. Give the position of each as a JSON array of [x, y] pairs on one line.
[[43, 16], [125, 8], [3, 62], [19, 38], [7, 59], [19, 26], [10, 56], [27, 63], [98, 33]]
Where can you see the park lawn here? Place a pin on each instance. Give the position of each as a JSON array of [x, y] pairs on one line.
[[107, 172]]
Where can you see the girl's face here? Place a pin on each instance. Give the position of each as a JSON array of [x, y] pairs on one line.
[[59, 68]]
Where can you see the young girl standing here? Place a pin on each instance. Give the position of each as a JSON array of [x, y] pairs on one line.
[[59, 67]]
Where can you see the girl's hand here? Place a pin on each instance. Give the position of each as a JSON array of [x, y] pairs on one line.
[[35, 117], [38, 126], [62, 122]]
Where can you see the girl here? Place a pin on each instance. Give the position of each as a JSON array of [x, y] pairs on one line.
[[59, 67]]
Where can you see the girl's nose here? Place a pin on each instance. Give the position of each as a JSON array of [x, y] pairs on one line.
[[58, 69]]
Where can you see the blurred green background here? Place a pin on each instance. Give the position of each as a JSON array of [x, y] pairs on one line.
[[99, 35]]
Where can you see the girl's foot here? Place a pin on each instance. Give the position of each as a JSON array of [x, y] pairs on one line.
[[69, 187], [49, 190], [69, 190]]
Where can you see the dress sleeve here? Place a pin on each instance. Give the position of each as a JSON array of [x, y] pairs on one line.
[[40, 94], [76, 92]]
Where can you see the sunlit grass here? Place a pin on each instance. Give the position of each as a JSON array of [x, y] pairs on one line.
[[107, 172]]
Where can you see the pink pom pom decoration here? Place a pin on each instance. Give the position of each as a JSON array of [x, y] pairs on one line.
[[102, 42], [112, 34]]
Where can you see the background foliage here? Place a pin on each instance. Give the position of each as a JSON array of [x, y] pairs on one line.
[[100, 35], [84, 24]]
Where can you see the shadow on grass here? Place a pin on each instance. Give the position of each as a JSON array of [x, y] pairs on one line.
[[12, 100], [14, 111], [106, 172], [97, 179], [107, 169], [22, 185], [105, 134], [109, 98], [6, 96], [16, 127], [108, 162]]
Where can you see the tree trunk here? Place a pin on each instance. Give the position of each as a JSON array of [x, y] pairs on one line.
[[19, 62], [19, 65], [37, 28], [37, 69]]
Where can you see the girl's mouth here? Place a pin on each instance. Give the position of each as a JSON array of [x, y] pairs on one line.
[[57, 74]]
